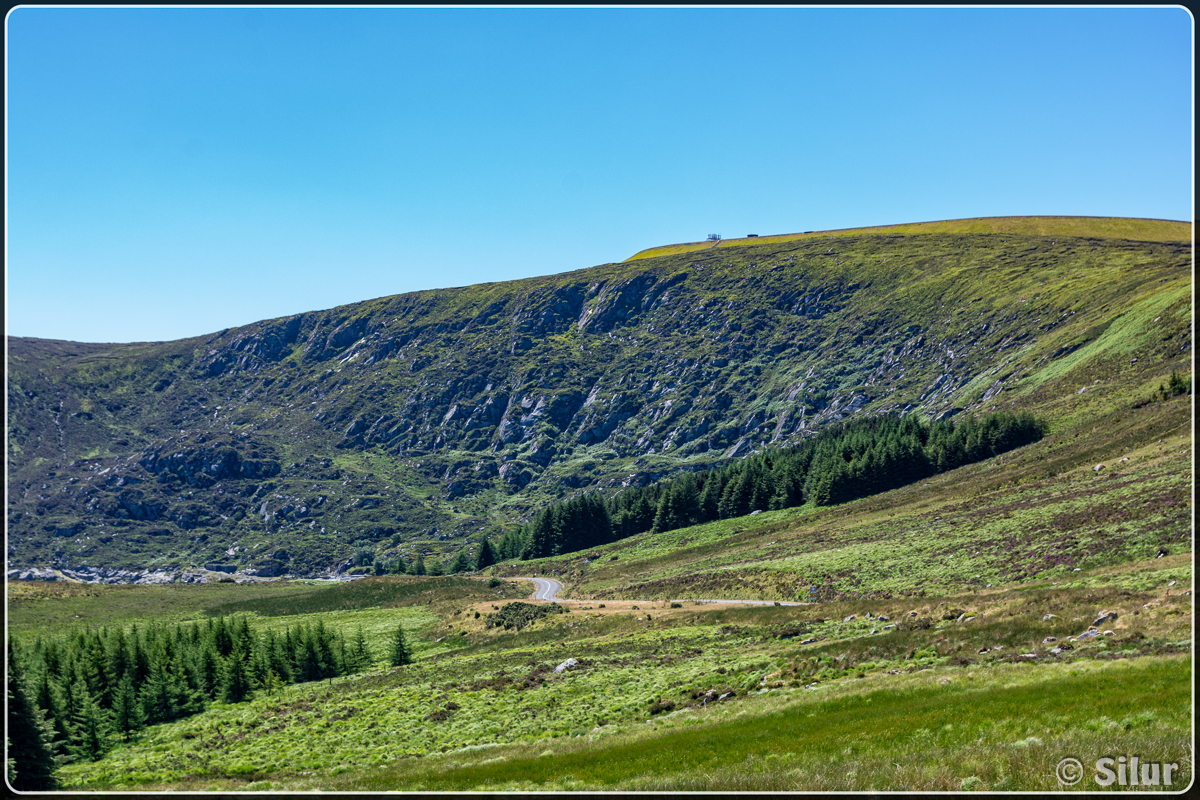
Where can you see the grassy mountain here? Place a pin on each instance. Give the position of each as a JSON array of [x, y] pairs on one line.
[[424, 421]]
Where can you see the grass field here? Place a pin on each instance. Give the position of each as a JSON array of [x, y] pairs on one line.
[[1145, 230], [920, 691]]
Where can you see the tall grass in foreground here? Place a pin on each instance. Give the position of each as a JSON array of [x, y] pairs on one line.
[[974, 732]]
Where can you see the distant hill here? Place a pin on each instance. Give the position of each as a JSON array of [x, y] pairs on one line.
[[427, 420], [1140, 230]]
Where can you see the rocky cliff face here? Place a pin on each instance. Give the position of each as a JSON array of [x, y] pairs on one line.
[[429, 419]]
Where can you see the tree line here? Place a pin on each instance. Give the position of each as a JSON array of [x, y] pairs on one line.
[[70, 698], [844, 462], [484, 556]]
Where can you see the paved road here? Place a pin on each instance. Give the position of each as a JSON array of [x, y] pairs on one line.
[[754, 602], [548, 589]]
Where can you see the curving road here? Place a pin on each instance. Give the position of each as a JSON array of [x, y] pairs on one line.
[[548, 589]]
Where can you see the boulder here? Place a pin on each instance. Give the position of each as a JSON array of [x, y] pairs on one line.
[[35, 574], [566, 665], [156, 578]]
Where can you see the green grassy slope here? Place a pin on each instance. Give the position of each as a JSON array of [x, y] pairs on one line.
[[1041, 511], [1148, 230], [919, 693]]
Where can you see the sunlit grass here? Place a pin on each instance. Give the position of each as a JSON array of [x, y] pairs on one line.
[[1146, 230], [485, 710], [1008, 728]]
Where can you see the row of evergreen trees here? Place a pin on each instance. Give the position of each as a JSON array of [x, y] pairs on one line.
[[485, 556], [98, 684], [843, 463]]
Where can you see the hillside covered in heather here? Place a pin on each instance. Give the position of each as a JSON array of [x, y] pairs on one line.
[[425, 422]]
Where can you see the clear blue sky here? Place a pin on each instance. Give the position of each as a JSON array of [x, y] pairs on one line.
[[174, 172]]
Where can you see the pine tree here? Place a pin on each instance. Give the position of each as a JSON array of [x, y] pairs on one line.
[[1177, 385], [208, 665], [342, 665], [710, 497], [188, 684], [308, 660], [485, 557], [400, 654], [277, 657], [273, 683], [222, 637], [243, 638], [564, 518], [735, 499], [139, 658], [461, 563], [92, 729], [235, 678], [120, 658], [92, 663], [669, 514], [76, 696], [160, 695], [784, 496], [360, 653], [30, 756], [761, 486], [127, 711], [50, 701], [639, 515], [596, 523], [511, 544], [541, 536], [419, 567], [260, 664], [326, 644]]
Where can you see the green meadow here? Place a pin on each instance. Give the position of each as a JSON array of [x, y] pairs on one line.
[[963, 692]]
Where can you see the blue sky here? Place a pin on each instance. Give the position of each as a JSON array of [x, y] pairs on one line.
[[172, 172]]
